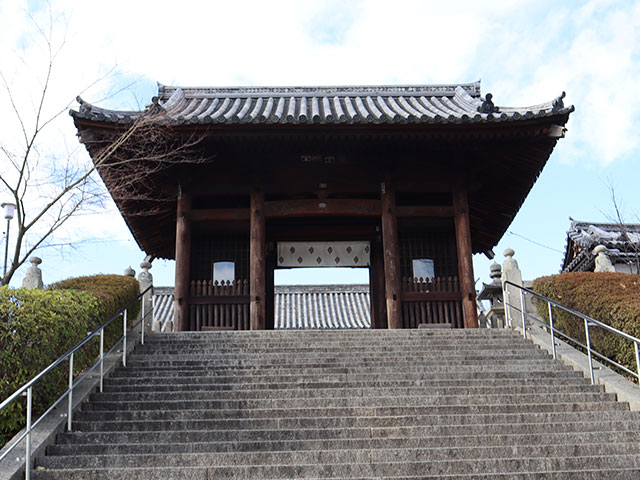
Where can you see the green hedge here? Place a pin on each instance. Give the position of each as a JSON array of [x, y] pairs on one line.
[[612, 298], [38, 326], [113, 292]]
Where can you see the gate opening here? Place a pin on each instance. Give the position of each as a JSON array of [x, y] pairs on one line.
[[320, 285]]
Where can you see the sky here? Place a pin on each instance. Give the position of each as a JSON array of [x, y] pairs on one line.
[[524, 52]]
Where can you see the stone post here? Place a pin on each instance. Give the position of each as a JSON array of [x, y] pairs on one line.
[[493, 293], [603, 263], [33, 277], [129, 272], [511, 294], [497, 304], [146, 280]]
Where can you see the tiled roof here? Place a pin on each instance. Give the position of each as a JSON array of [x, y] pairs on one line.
[[325, 105], [163, 308], [308, 306], [583, 237], [323, 306]]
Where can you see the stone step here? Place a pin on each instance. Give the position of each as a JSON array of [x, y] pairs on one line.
[[348, 418], [397, 396], [291, 468], [371, 402], [328, 347], [528, 368], [115, 412], [345, 357], [322, 345], [534, 376], [463, 345], [372, 365], [333, 333], [357, 404], [547, 438], [344, 388], [246, 382], [344, 429], [318, 348], [199, 473], [345, 456]]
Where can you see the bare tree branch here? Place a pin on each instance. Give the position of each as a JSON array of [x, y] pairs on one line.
[[58, 186]]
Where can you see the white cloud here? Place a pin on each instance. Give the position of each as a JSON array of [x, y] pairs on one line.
[[525, 52]]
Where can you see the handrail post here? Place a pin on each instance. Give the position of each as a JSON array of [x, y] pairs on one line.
[[142, 324], [124, 339], [586, 330], [635, 344], [524, 314], [507, 317], [27, 457], [153, 311], [70, 396], [101, 360], [505, 302], [553, 339]]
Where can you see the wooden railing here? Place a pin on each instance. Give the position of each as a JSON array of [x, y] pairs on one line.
[[219, 305], [431, 301]]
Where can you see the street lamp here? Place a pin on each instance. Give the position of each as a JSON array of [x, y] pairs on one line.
[[9, 212]]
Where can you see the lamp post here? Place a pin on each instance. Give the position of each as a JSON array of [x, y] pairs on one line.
[[9, 212]]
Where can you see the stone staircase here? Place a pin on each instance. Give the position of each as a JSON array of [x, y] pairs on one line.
[[473, 404]]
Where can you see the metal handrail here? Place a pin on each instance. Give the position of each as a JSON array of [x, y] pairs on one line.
[[588, 322], [27, 388]]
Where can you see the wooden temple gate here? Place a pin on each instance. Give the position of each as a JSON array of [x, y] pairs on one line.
[[412, 170], [400, 297]]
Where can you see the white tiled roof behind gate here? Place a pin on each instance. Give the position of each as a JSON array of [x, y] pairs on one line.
[[305, 306]]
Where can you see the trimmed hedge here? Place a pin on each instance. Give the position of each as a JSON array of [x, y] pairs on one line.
[[612, 298], [113, 292], [38, 326]]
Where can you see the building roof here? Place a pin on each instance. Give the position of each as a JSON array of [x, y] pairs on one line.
[[445, 134], [325, 105], [621, 241], [296, 307], [323, 306]]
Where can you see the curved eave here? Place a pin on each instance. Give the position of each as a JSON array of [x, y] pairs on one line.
[[180, 110], [323, 106]]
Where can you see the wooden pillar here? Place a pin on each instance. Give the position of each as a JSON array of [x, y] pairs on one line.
[[183, 262], [392, 281], [257, 254], [376, 285], [270, 289], [465, 262]]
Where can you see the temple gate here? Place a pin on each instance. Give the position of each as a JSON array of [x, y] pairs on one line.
[[399, 179]]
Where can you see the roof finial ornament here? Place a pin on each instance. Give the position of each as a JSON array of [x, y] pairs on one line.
[[84, 106], [487, 105], [558, 103], [154, 107]]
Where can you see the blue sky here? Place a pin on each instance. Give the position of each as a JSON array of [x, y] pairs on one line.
[[524, 52]]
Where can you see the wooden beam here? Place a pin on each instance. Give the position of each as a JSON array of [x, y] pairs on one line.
[[257, 258], [316, 207], [183, 260], [431, 296], [425, 211], [220, 215], [391, 256], [219, 300], [303, 232], [465, 262]]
